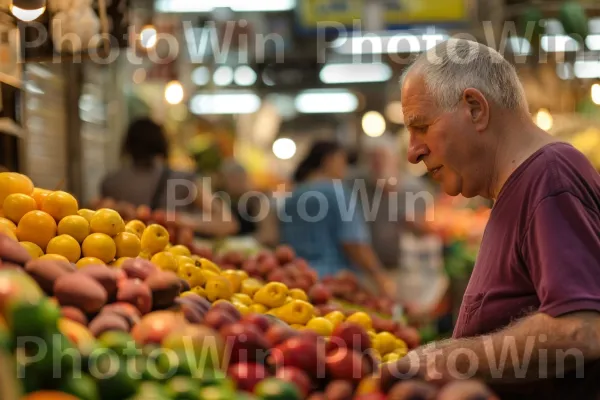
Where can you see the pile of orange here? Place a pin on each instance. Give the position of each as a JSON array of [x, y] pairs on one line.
[[50, 225]]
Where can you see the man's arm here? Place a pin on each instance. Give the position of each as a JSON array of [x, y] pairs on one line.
[[536, 347], [363, 255]]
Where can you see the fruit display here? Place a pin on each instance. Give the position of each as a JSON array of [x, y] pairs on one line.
[[93, 307]]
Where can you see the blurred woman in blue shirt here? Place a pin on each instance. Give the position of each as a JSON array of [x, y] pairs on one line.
[[324, 223]]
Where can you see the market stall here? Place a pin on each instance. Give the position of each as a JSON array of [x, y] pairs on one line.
[[143, 317]]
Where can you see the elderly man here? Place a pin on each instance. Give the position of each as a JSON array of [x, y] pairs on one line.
[[530, 319]]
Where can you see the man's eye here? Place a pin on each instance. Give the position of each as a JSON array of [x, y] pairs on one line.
[[420, 129]]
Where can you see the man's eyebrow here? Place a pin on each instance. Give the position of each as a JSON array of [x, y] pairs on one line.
[[414, 120]]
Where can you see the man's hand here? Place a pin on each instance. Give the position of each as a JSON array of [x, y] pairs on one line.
[[537, 347]]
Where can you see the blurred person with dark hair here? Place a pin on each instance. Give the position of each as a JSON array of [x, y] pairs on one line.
[[145, 181], [247, 205], [320, 222]]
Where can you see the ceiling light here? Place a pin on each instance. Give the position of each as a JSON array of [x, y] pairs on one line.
[[225, 103], [174, 93], [28, 10], [593, 42], [355, 73], [544, 119], [201, 76], [558, 43], [373, 124], [394, 113], [587, 69], [188, 6], [323, 101], [387, 44], [284, 148], [519, 45], [223, 76], [148, 37], [595, 93], [244, 76]]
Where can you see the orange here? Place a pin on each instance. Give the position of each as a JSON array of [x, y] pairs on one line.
[[16, 205], [362, 319], [75, 226], [180, 250], [136, 226], [54, 257], [128, 245], [101, 246], [37, 227], [165, 260], [8, 232], [107, 221], [86, 261], [7, 223], [86, 213], [11, 182], [66, 246], [320, 325], [39, 195], [33, 249], [60, 204]]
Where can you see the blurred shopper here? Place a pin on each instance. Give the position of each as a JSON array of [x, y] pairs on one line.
[[144, 180], [248, 206], [535, 289], [412, 257], [319, 222]]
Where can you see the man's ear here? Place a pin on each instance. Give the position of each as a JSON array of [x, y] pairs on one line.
[[477, 107]]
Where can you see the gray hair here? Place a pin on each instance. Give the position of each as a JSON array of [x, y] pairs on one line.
[[457, 64]]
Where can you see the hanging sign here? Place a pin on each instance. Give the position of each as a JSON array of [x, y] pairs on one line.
[[315, 14]]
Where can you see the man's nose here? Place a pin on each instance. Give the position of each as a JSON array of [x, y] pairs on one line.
[[416, 150]]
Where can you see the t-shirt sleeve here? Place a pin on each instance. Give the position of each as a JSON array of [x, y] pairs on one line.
[[352, 225], [562, 252]]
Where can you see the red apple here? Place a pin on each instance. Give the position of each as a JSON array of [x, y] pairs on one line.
[[383, 325], [303, 353], [202, 251], [232, 257], [352, 335], [144, 213], [319, 294], [244, 343], [267, 265], [285, 254], [258, 320], [247, 375], [159, 217], [276, 276], [297, 377], [262, 255], [302, 264], [217, 319], [251, 267], [278, 333], [412, 389], [347, 364], [185, 236], [339, 390]]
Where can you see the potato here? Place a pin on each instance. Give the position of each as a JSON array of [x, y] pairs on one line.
[[107, 277], [74, 314], [126, 310], [45, 273], [165, 288], [81, 291], [413, 389], [108, 322], [136, 292], [138, 268], [185, 286], [11, 250]]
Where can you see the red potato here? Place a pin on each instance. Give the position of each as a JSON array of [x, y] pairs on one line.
[[81, 291], [107, 277], [165, 288], [74, 314], [45, 273], [108, 322], [137, 293], [12, 251]]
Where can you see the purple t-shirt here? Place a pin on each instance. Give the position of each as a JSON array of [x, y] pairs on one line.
[[541, 247]]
